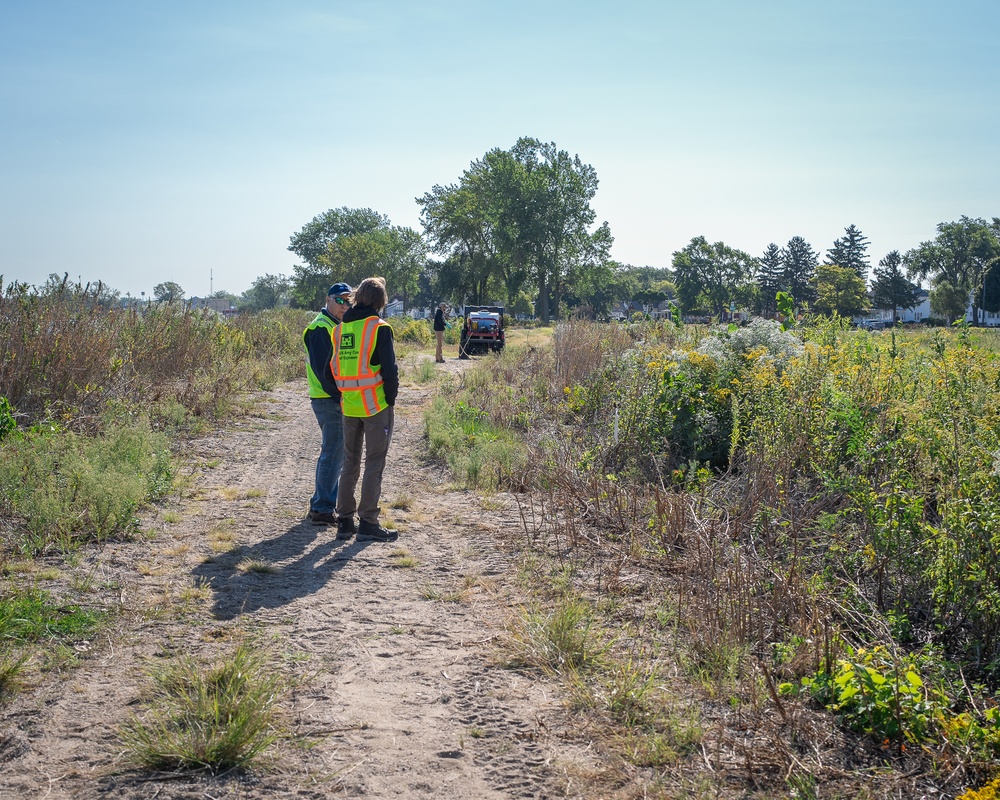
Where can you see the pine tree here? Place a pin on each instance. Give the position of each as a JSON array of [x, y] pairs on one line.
[[890, 288], [770, 277], [850, 251], [799, 268]]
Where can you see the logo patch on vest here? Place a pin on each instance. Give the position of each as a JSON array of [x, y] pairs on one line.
[[347, 341]]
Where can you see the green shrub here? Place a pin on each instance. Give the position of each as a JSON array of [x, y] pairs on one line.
[[64, 487], [7, 422], [407, 329]]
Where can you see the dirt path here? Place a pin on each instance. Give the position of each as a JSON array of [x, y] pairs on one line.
[[403, 696]]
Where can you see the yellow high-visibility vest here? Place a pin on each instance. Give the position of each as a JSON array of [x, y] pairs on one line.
[[315, 387], [362, 393]]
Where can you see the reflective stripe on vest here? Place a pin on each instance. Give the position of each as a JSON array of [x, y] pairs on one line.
[[361, 391], [315, 387]]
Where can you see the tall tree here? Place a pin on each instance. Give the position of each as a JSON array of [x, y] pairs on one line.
[[317, 235], [799, 269], [460, 222], [711, 276], [890, 288], [267, 291], [850, 251], [556, 228], [168, 292], [770, 275], [961, 256], [350, 245], [948, 300], [839, 290], [518, 215]]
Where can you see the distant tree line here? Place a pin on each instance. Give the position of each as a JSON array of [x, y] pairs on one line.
[[960, 263], [517, 227]]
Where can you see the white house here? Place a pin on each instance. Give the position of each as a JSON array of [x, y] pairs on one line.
[[922, 311], [394, 309]]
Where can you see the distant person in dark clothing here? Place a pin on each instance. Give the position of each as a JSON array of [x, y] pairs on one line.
[[439, 328], [325, 398], [364, 366]]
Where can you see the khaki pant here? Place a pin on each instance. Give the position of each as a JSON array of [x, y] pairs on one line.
[[439, 355], [374, 434]]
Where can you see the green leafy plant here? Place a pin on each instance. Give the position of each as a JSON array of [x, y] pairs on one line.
[[873, 695], [7, 422]]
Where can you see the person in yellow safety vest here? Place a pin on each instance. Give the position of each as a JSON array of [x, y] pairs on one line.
[[364, 367], [325, 399]]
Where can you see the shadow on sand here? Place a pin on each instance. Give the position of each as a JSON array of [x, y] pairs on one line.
[[317, 556]]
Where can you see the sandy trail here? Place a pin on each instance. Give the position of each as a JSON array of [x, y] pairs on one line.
[[396, 643]]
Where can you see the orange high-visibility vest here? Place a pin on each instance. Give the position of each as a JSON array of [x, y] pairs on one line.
[[362, 393]]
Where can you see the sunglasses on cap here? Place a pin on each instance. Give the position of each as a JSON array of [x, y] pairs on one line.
[[342, 301]]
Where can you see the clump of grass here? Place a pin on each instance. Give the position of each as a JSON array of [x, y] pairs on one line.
[[65, 488], [479, 453], [458, 594], [222, 537], [31, 615], [11, 667], [562, 640], [402, 559], [402, 503], [425, 371], [257, 565], [216, 717]]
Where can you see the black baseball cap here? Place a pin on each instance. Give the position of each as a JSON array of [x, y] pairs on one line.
[[339, 288]]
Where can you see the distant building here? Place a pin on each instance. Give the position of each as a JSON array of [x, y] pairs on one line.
[[219, 305], [395, 308]]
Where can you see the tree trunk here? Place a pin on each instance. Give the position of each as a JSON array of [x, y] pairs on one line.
[[543, 298]]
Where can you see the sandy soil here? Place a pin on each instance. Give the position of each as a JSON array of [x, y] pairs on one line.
[[402, 695]]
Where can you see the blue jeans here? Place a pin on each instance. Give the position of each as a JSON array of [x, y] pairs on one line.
[[331, 454]]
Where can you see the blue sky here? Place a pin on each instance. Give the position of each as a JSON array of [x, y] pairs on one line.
[[143, 142]]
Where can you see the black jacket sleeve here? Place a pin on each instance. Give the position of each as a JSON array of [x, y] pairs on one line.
[[385, 354]]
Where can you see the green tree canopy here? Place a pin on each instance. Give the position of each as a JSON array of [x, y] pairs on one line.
[[350, 245], [267, 291], [516, 216], [711, 276], [168, 292], [850, 251], [948, 300], [961, 256], [770, 277], [839, 290], [799, 268]]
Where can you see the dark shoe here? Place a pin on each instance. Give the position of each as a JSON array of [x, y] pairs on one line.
[[345, 528], [324, 518], [373, 532]]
